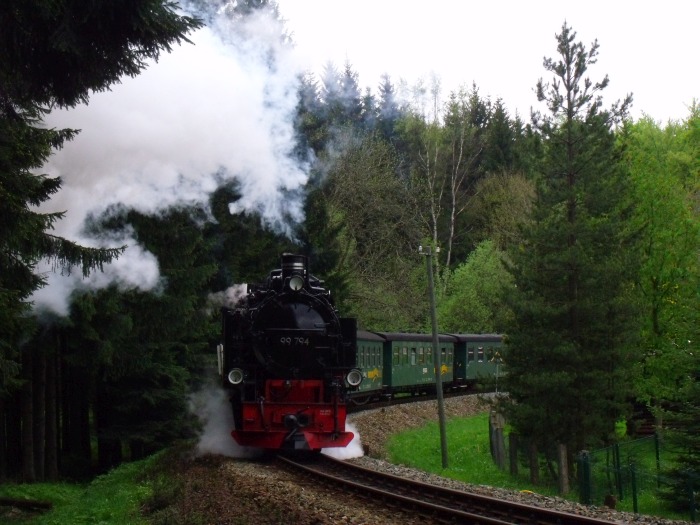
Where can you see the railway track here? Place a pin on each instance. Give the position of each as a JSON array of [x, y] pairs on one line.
[[437, 504]]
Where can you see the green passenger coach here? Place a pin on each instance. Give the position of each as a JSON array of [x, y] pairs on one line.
[[370, 360], [478, 357], [397, 362]]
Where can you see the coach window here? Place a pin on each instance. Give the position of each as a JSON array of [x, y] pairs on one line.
[[421, 356], [396, 356], [480, 354], [449, 355], [429, 355], [470, 354], [404, 356]]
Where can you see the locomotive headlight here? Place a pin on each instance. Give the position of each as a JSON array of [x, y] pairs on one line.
[[235, 376], [354, 377], [296, 282]]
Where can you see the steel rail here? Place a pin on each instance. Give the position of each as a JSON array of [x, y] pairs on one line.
[[438, 503]]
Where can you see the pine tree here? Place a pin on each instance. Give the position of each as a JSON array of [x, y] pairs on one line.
[[567, 362]]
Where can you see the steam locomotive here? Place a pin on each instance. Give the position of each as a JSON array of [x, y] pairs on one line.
[[288, 362]]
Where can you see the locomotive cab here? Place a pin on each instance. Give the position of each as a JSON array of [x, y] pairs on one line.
[[288, 361]]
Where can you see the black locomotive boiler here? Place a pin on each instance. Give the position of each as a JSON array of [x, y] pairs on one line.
[[288, 362]]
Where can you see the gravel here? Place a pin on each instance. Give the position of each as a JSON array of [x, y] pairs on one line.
[[220, 490]]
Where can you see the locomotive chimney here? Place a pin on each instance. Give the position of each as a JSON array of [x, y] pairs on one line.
[[293, 265]]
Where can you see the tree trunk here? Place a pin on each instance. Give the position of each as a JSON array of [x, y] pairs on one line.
[[3, 442], [534, 465], [28, 471], [39, 399], [76, 458], [109, 447], [51, 417], [13, 431], [137, 450], [109, 452], [513, 453], [563, 461], [498, 449]]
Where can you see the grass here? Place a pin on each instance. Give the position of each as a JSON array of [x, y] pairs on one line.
[[469, 457], [469, 460], [114, 498]]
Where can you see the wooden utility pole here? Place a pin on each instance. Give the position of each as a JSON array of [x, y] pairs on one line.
[[436, 352]]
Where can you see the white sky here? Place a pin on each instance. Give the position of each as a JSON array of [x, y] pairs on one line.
[[647, 48]]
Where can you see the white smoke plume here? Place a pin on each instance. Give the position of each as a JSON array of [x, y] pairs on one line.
[[353, 450], [214, 412], [203, 115], [228, 297]]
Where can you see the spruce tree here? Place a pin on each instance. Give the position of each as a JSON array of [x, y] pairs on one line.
[[567, 360], [55, 53], [388, 109], [142, 349]]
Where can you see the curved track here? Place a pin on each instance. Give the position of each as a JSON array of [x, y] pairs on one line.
[[439, 504]]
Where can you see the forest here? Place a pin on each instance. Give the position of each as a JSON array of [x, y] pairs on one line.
[[575, 232]]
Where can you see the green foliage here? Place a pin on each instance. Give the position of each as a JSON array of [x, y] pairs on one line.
[[377, 234], [141, 349], [25, 237], [574, 318], [114, 498], [683, 419], [57, 52], [322, 243], [678, 317], [501, 208], [664, 184], [243, 247], [620, 429], [54, 54], [474, 298]]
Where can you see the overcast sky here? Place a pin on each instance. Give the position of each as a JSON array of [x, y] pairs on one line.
[[647, 48]]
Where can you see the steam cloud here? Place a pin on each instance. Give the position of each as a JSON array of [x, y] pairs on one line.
[[353, 450], [214, 412], [228, 297], [203, 115]]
